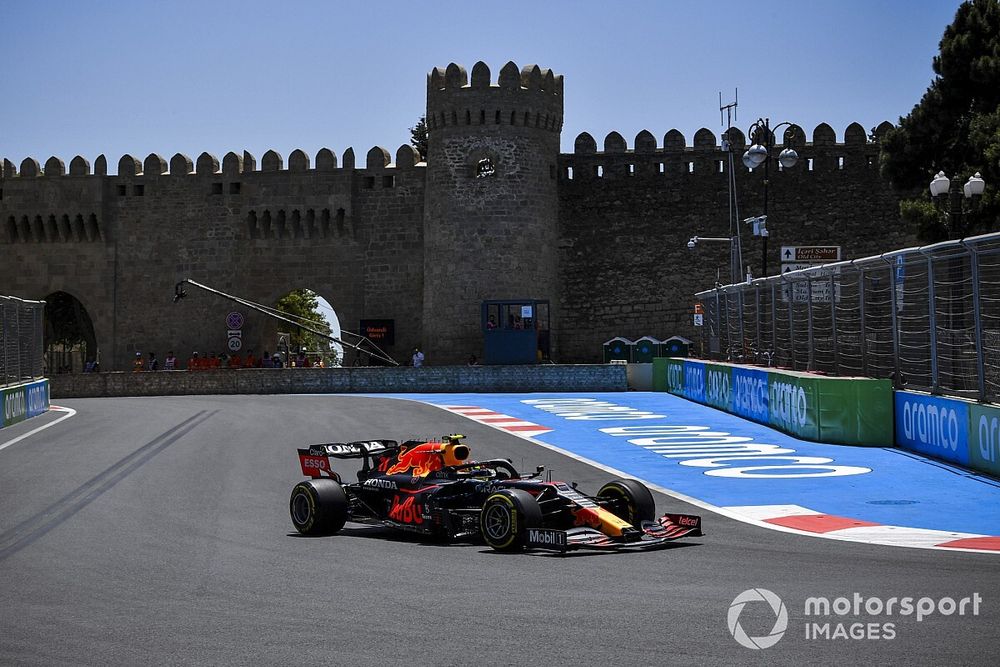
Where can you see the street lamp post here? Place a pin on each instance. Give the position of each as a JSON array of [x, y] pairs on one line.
[[954, 207], [948, 198], [759, 154]]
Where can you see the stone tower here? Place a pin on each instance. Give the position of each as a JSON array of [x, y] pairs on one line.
[[491, 211]]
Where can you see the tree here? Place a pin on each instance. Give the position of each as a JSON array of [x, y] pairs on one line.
[[418, 137], [302, 304], [954, 128]]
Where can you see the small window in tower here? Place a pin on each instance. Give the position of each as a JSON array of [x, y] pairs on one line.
[[690, 167], [720, 167], [1, 194], [485, 168], [663, 168], [216, 188], [497, 121], [552, 171], [631, 170], [871, 160], [139, 190], [122, 190], [234, 188], [369, 182], [569, 173], [810, 164], [600, 171], [388, 181], [482, 117], [840, 162]]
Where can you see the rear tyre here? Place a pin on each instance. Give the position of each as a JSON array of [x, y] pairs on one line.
[[629, 500], [318, 507], [506, 517]]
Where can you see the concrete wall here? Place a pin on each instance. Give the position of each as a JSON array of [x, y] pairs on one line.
[[598, 377]]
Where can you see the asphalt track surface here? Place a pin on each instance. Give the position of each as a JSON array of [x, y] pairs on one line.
[[156, 531]]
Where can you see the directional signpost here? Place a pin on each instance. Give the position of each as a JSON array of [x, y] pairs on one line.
[[794, 258]]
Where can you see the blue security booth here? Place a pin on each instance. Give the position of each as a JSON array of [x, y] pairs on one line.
[[515, 331]]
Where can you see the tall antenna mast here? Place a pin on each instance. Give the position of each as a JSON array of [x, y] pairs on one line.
[[727, 116]]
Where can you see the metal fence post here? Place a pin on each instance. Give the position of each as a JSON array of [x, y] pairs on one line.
[[977, 316], [774, 318], [896, 371], [862, 324], [932, 324], [756, 315], [811, 360], [833, 324], [791, 325]]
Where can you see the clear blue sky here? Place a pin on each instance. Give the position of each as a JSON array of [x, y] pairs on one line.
[[189, 76]]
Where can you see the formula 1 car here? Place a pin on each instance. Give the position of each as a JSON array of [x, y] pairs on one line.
[[434, 489]]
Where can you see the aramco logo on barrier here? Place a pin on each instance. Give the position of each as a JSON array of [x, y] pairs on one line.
[[789, 405], [777, 607]]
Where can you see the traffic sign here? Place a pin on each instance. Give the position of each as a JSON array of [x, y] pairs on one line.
[[234, 320], [699, 320], [235, 344], [817, 254]]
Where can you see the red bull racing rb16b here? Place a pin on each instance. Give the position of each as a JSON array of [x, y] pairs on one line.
[[434, 489]]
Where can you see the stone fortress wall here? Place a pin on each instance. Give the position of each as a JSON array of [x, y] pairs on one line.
[[602, 234]]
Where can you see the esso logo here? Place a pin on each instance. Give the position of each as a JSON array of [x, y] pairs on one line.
[[319, 464]]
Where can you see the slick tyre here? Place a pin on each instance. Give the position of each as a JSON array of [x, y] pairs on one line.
[[629, 500], [506, 517], [318, 507]]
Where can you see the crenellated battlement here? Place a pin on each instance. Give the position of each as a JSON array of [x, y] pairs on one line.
[[704, 155], [529, 97], [232, 164]]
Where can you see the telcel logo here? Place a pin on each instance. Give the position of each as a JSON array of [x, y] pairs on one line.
[[931, 425]]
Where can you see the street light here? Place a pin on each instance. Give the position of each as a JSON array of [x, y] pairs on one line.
[[759, 154], [732, 241], [973, 190]]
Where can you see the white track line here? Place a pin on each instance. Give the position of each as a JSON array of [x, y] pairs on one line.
[[69, 413], [724, 511]]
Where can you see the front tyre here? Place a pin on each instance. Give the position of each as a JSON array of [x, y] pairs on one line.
[[318, 507], [630, 500], [506, 517]]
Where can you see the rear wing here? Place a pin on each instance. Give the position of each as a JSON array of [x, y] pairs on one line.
[[315, 459], [352, 450]]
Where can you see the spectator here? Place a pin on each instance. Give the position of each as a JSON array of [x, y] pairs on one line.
[[266, 361], [235, 361], [214, 360], [418, 358], [194, 363], [138, 365], [492, 323], [276, 361], [473, 360], [153, 364], [250, 361], [300, 360], [170, 363]]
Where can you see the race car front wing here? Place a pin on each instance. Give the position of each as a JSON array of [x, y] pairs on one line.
[[653, 534]]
